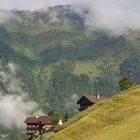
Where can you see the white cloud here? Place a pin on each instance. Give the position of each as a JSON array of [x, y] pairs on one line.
[[14, 110], [12, 68], [114, 16], [9, 79], [7, 5], [5, 16]]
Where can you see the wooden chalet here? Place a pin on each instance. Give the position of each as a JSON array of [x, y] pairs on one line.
[[87, 101], [37, 125]]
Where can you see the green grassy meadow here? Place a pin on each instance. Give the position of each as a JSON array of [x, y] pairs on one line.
[[117, 118]]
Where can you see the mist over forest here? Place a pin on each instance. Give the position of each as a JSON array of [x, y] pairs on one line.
[[52, 53]]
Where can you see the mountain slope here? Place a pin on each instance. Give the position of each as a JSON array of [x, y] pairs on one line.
[[59, 60], [117, 118]]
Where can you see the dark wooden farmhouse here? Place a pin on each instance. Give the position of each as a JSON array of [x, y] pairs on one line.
[[87, 101], [37, 125]]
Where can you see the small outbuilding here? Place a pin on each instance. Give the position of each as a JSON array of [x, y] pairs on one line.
[[61, 121]]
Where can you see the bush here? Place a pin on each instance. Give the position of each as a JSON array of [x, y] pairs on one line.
[[125, 83]]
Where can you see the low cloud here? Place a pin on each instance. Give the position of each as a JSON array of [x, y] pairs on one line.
[[14, 106], [113, 16], [14, 110], [12, 68], [8, 78], [5, 16]]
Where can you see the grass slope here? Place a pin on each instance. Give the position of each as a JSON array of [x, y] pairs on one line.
[[117, 118]]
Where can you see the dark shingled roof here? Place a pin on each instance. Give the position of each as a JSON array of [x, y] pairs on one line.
[[93, 99], [42, 119]]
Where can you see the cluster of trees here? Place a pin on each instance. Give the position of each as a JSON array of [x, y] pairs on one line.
[[64, 88], [131, 67], [125, 83], [56, 117]]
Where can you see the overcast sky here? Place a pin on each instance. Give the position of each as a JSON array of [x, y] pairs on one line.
[[30, 4], [35, 4]]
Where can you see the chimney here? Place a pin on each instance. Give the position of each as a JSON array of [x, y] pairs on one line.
[[98, 96]]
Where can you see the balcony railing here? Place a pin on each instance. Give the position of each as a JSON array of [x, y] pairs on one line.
[[32, 128]]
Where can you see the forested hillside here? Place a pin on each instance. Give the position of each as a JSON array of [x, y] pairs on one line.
[[59, 59]]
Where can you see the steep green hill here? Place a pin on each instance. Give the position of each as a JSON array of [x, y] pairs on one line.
[[117, 118]]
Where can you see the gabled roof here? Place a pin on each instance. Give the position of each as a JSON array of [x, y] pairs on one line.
[[93, 99], [42, 119], [62, 118]]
